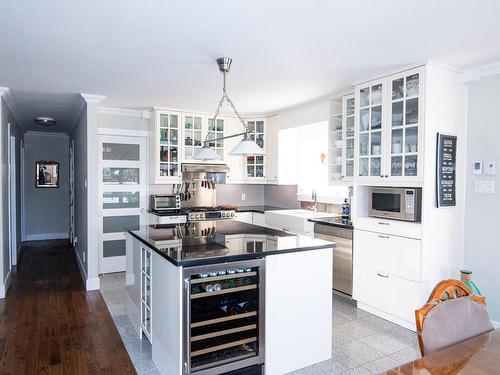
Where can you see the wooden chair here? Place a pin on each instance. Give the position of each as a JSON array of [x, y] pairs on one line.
[[445, 290]]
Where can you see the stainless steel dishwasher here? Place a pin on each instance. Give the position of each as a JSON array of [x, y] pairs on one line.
[[334, 231]]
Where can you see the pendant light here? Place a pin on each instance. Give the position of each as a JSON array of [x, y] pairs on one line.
[[247, 146]]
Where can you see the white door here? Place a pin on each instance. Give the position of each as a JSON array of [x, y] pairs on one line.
[[122, 196], [72, 190], [12, 201]]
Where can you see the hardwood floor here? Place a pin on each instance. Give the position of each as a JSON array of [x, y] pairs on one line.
[[49, 324]]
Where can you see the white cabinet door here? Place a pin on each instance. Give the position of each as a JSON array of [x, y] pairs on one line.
[[348, 116], [405, 130], [244, 217], [370, 126], [390, 294], [166, 151], [389, 254], [273, 149], [255, 165]]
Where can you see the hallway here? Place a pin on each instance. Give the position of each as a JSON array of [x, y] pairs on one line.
[[50, 325]]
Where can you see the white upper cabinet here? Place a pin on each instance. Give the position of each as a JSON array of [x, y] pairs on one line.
[[255, 170], [165, 147], [389, 128], [195, 128]]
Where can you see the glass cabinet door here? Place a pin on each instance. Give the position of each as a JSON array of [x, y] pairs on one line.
[[336, 140], [192, 135], [371, 125], [255, 164], [214, 132], [349, 138], [169, 145], [405, 118]]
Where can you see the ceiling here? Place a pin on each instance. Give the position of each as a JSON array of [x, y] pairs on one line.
[[162, 52]]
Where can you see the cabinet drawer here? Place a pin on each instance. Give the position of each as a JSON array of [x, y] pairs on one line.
[[398, 256], [391, 294], [394, 227], [259, 219]]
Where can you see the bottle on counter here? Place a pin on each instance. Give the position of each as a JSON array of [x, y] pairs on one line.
[[346, 211]]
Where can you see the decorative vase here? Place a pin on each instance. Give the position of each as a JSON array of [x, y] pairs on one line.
[[466, 277]]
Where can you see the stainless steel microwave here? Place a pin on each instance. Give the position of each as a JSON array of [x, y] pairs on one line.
[[395, 203], [165, 202]]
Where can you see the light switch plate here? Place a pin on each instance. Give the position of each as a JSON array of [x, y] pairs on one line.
[[484, 187], [489, 167], [477, 167]]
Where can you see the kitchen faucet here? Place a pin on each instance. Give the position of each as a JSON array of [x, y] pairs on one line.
[[314, 197]]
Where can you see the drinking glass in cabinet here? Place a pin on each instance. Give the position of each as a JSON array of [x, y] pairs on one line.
[[163, 153], [397, 141], [260, 140], [163, 134], [188, 141], [350, 126], [164, 120], [188, 122], [220, 125], [163, 169], [250, 171], [350, 148], [259, 159], [349, 168], [411, 165], [363, 144], [173, 169], [364, 95], [364, 119], [397, 113], [259, 126], [412, 111], [197, 138], [197, 123], [173, 154], [397, 88], [396, 165], [363, 166], [412, 84], [173, 136], [259, 171], [375, 166], [376, 94], [376, 118], [251, 126], [376, 141], [411, 139], [349, 107]]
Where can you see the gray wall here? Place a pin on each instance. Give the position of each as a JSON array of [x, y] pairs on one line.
[[482, 211], [46, 209], [284, 196], [79, 136]]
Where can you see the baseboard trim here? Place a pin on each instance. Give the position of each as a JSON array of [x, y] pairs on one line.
[[382, 314], [93, 284], [47, 236], [83, 273], [5, 286]]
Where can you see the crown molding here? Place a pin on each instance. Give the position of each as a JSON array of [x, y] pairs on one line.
[[3, 90], [91, 98], [479, 72], [138, 113]]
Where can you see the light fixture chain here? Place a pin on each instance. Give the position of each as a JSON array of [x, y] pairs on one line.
[[237, 113]]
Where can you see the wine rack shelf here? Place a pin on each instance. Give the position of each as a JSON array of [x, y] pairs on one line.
[[224, 332], [223, 291], [225, 277], [223, 346], [224, 319]]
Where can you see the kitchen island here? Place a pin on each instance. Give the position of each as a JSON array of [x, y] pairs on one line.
[[217, 296]]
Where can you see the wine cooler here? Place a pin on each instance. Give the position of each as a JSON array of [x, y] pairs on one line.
[[224, 319]]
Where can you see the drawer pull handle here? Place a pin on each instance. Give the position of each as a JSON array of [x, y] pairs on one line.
[[384, 276], [380, 236], [381, 223]]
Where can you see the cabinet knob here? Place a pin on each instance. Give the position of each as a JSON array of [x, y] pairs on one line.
[[381, 175], [381, 275], [380, 236], [386, 176]]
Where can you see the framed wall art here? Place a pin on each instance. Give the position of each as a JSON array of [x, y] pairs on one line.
[[46, 174]]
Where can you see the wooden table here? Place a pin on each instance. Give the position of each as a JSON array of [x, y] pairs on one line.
[[477, 356]]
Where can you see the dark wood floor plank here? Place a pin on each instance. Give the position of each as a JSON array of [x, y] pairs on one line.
[[50, 325]]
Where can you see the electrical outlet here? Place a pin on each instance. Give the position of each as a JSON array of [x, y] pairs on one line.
[[243, 196]]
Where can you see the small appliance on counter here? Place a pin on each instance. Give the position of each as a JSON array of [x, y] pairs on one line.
[[165, 202], [395, 203]]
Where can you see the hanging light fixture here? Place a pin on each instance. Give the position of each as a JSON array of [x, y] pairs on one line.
[[247, 146]]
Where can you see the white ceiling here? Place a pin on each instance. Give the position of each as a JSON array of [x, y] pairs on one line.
[[159, 52]]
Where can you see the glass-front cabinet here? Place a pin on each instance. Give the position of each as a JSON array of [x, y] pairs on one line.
[[370, 127], [348, 135], [195, 129], [255, 164], [389, 122], [167, 128], [405, 119]]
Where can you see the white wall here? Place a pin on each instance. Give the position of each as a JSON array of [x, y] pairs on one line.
[[46, 209], [304, 115], [482, 215]]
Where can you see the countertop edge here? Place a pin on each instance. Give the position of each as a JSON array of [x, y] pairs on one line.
[[322, 222], [234, 258]]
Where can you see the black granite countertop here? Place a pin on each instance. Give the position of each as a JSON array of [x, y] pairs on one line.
[[333, 221], [209, 242], [259, 209]]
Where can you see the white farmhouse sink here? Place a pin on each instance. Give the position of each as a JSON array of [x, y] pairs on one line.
[[295, 221]]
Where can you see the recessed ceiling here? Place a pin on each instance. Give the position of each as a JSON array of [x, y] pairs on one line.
[[143, 53]]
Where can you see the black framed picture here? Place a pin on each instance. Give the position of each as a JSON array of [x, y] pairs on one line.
[[47, 174], [446, 170]]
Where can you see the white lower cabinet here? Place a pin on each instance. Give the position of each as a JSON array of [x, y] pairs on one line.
[[387, 275], [244, 217]]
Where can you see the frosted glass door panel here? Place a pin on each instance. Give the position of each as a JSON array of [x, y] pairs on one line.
[[120, 151], [120, 176]]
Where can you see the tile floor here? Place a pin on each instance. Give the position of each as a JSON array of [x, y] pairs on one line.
[[362, 343]]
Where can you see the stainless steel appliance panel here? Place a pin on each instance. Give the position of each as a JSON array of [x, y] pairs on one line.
[[342, 255], [395, 203]]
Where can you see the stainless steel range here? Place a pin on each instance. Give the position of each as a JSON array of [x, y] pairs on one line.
[[210, 213]]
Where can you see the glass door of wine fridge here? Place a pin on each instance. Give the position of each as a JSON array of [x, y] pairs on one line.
[[224, 317]]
